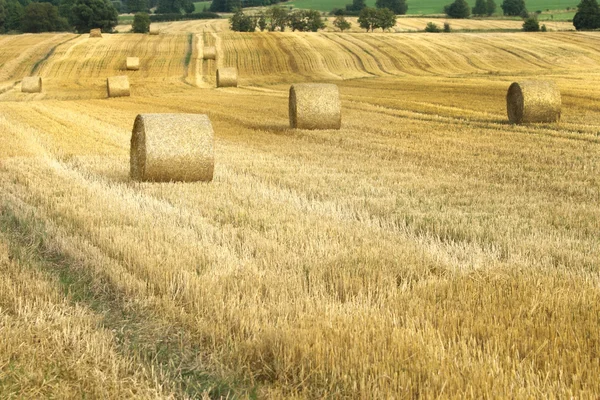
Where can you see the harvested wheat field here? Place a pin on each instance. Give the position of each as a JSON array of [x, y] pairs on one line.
[[428, 248]]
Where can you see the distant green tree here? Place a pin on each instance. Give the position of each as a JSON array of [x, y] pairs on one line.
[[341, 23], [385, 18], [514, 7], [225, 5], [480, 8], [262, 21], [175, 6], [397, 6], [3, 13], [65, 9], [447, 27], [531, 24], [587, 15], [357, 5], [135, 6], [543, 28], [371, 19], [90, 14], [432, 28], [141, 23], [43, 17], [367, 19], [491, 7], [277, 17], [239, 22], [458, 9], [305, 20], [14, 16]]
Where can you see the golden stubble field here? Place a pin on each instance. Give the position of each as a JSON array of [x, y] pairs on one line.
[[427, 249]]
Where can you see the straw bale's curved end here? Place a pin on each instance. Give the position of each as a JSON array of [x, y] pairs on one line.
[[118, 86], [209, 53], [227, 77], [31, 84], [172, 147], [315, 106], [533, 101]]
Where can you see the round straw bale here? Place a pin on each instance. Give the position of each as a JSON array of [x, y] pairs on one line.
[[227, 77], [210, 53], [133, 63], [96, 32], [315, 106], [117, 86], [533, 101], [172, 147], [154, 30], [31, 84]]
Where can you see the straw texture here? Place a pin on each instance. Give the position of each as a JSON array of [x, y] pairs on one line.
[[31, 84], [117, 86], [172, 147], [96, 32], [227, 77], [315, 106], [533, 101], [133, 63], [154, 30], [210, 53]]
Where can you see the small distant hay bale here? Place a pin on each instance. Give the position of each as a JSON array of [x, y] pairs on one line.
[[209, 53], [315, 106], [117, 86], [533, 101], [227, 77], [154, 30], [133, 63], [172, 147], [96, 32], [31, 84]]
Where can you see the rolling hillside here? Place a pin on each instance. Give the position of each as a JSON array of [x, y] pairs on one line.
[[427, 249]]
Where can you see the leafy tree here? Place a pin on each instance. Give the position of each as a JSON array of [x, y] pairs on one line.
[[458, 9], [3, 15], [480, 8], [175, 6], [224, 5], [491, 7], [357, 5], [447, 27], [432, 27], [14, 16], [65, 9], [43, 17], [367, 19], [239, 22], [397, 6], [341, 23], [543, 28], [587, 16], [514, 7], [371, 19], [385, 18], [531, 24], [278, 18], [262, 21], [90, 14], [305, 20], [141, 23], [135, 6]]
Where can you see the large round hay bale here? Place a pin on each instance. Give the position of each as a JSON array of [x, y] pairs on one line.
[[133, 63], [209, 53], [154, 30], [96, 32], [117, 86], [315, 106], [31, 84], [227, 77], [172, 147], [533, 101]]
